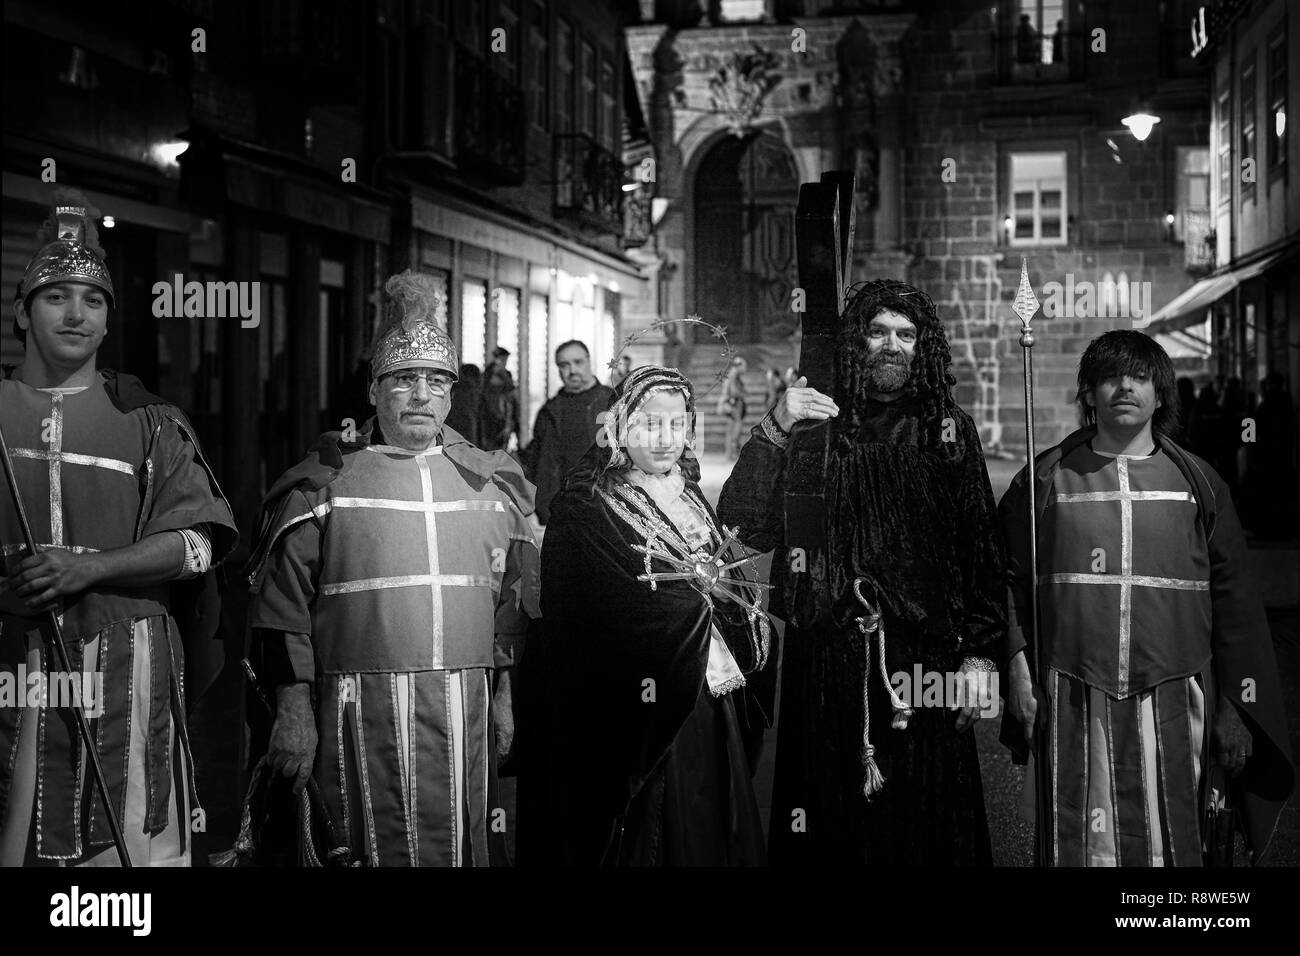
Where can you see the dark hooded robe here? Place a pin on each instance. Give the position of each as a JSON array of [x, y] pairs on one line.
[[634, 756], [911, 522]]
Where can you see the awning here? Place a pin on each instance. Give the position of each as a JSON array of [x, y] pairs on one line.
[[1188, 308]]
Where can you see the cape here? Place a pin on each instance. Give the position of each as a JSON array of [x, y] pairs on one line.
[[1241, 643]]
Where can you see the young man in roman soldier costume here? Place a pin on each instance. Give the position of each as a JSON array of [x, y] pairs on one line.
[[121, 505]]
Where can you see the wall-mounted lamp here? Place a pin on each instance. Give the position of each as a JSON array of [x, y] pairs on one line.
[[1140, 124], [109, 222]]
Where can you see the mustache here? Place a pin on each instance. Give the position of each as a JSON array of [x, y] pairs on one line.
[[887, 358]]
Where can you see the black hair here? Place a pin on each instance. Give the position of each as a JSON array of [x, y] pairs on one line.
[[564, 345], [1129, 352]]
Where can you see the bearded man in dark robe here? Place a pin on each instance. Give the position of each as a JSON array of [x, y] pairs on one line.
[[909, 585]]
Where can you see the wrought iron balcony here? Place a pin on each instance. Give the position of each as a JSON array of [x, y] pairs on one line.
[[588, 183], [1056, 57]]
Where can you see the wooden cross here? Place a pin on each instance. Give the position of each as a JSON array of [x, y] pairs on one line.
[[824, 239]]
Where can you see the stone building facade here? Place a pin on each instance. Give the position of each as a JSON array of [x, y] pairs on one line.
[[976, 143]]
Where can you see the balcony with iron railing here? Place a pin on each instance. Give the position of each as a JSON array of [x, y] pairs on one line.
[[588, 183], [1056, 57]]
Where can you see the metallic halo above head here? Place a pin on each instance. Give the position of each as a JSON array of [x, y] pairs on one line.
[[727, 352]]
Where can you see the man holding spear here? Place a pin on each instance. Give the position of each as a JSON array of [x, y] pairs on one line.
[[108, 484], [1151, 661]]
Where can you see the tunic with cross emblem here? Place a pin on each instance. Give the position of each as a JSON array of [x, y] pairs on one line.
[[1150, 619], [97, 473], [398, 588], [1126, 617]]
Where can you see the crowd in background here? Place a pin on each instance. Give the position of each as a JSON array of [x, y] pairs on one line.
[[1249, 439]]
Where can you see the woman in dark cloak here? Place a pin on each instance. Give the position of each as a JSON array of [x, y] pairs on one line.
[[642, 726]]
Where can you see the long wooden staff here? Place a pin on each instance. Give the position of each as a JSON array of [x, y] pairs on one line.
[[61, 651], [1026, 305]]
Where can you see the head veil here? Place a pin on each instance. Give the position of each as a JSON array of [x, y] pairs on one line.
[[608, 455]]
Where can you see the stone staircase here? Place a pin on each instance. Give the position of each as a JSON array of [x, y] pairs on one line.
[[701, 363]]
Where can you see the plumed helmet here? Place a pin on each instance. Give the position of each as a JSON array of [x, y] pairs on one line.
[[413, 336]]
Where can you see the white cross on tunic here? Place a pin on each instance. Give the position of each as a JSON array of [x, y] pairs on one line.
[[1126, 579]]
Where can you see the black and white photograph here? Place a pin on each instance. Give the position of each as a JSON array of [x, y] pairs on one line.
[[854, 440]]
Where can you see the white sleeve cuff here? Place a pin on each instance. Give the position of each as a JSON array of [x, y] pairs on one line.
[[198, 553]]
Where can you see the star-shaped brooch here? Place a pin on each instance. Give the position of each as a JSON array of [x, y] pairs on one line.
[[708, 574]]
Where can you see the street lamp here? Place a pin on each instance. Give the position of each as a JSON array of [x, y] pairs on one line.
[[1140, 124]]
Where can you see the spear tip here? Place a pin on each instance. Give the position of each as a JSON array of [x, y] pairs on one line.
[[1026, 303]]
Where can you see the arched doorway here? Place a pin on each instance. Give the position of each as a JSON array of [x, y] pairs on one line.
[[745, 196]]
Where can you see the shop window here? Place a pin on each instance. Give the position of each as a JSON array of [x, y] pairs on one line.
[[473, 322]]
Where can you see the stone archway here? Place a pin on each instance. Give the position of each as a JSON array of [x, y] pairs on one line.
[[745, 193]]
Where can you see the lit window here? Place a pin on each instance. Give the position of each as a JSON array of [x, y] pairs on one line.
[[1038, 203], [473, 322], [1248, 112], [1224, 142], [1039, 32], [507, 309], [1277, 80]]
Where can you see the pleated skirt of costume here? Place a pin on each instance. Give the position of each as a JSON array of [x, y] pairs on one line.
[[930, 811], [407, 765], [51, 812], [1126, 774], [698, 807]]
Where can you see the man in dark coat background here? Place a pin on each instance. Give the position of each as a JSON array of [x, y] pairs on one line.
[[566, 426]]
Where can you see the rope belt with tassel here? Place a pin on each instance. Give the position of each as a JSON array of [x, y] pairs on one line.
[[874, 622]]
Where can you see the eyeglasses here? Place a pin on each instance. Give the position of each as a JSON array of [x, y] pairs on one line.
[[439, 383]]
